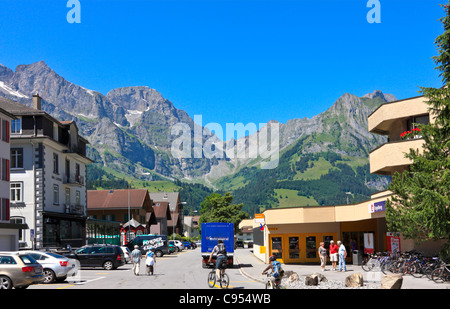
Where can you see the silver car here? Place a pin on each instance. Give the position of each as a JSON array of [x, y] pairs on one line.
[[55, 266], [19, 270]]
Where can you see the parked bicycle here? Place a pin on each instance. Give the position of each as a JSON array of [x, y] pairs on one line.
[[377, 261], [441, 274], [223, 279]]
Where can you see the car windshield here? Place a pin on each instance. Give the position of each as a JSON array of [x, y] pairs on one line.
[[55, 255], [26, 259]]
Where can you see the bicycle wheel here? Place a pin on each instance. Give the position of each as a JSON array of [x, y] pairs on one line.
[[417, 270], [436, 275], [367, 265], [212, 279], [224, 281]]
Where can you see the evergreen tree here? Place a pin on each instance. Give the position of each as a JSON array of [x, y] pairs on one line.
[[420, 206]]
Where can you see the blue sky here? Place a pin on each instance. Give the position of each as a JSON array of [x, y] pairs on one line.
[[229, 60]]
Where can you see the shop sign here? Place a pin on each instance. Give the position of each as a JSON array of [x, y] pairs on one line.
[[259, 218], [393, 242], [377, 207], [368, 243]]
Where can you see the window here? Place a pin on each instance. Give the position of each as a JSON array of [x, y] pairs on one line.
[[277, 247], [67, 196], [7, 260], [77, 198], [311, 247], [77, 173], [55, 163], [55, 194], [16, 158], [16, 192], [84, 250], [294, 250], [16, 126], [18, 220]]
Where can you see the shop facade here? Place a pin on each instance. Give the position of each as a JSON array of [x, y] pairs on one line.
[[294, 235]]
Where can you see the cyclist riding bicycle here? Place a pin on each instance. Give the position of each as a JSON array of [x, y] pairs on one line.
[[277, 271], [221, 258]]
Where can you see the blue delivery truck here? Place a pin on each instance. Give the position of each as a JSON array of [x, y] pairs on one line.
[[211, 233]]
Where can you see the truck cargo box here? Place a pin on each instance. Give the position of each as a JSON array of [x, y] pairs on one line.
[[211, 233]]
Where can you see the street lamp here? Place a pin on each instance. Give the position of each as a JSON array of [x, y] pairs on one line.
[[129, 211], [348, 193], [173, 220]]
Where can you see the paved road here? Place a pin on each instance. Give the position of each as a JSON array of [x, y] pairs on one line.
[[181, 270]]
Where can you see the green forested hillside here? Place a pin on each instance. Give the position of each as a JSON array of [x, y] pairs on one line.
[[303, 180]]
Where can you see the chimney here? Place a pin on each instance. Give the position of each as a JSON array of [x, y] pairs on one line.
[[37, 101]]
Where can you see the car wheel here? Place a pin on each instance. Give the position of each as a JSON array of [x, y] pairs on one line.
[[159, 253], [49, 276], [5, 283], [108, 265]]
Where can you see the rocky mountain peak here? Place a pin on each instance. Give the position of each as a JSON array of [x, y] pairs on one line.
[[378, 93]]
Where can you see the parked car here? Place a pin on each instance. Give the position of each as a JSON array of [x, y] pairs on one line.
[[187, 245], [126, 253], [177, 244], [106, 256], [157, 243], [239, 244], [19, 270], [172, 248], [55, 266]]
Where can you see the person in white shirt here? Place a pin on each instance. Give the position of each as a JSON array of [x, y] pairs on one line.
[[342, 252]]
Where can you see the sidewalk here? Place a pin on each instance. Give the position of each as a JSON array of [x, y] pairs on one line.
[[252, 267]]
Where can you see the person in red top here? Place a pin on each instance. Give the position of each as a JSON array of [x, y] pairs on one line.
[[333, 254]]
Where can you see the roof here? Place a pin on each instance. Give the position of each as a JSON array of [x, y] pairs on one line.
[[162, 210], [172, 197], [116, 199], [18, 108], [6, 113]]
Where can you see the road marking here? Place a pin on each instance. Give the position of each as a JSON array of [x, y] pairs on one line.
[[67, 286], [87, 281]]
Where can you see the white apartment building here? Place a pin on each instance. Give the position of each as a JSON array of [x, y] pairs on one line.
[[9, 231], [47, 177]]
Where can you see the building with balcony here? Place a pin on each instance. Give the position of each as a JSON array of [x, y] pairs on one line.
[[392, 120], [47, 177], [293, 234]]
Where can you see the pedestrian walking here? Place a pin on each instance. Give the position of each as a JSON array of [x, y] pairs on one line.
[[136, 259], [150, 262], [333, 254], [323, 255], [342, 255]]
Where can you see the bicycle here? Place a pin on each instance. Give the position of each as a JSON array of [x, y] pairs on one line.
[[224, 280], [276, 282], [441, 274]]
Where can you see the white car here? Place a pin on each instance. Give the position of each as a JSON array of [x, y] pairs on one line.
[[177, 244], [55, 266], [126, 254]]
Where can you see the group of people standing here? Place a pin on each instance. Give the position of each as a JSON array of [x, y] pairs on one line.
[[150, 261], [338, 253]]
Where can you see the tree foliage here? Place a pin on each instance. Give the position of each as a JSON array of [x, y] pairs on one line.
[[419, 207], [218, 208]]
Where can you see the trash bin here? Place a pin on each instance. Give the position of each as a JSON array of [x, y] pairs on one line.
[[357, 257]]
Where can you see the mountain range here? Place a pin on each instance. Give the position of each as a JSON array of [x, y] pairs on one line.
[[129, 131]]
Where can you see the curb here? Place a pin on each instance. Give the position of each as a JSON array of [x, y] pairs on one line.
[[245, 274]]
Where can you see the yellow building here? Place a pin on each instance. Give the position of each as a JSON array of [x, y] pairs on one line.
[[293, 235]]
